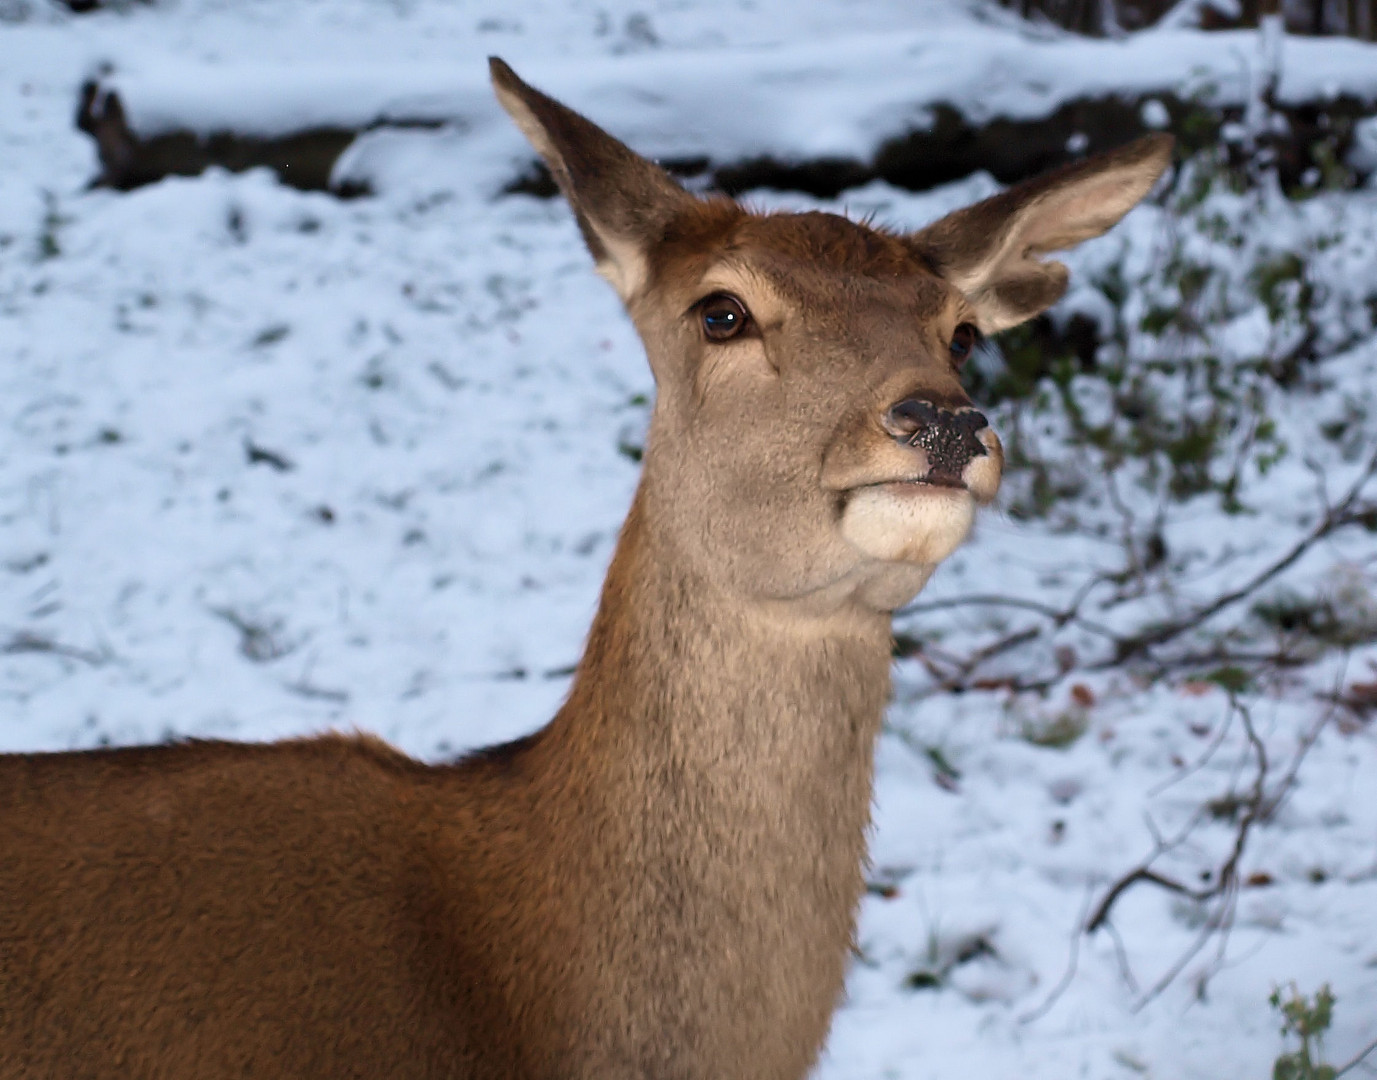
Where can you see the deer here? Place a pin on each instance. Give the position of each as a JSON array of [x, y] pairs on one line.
[[664, 881]]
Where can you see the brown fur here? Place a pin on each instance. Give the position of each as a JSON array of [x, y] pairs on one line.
[[661, 883]]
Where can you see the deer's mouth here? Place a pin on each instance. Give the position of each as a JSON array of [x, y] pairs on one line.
[[910, 473], [950, 483], [929, 485]]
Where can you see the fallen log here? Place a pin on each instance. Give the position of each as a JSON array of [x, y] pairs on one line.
[[301, 159], [906, 119]]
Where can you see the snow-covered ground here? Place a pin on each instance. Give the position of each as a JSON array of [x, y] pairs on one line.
[[272, 462]]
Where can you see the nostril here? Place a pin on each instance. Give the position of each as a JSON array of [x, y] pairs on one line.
[[970, 420], [906, 418]]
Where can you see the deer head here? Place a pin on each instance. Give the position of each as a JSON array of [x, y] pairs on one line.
[[811, 441]]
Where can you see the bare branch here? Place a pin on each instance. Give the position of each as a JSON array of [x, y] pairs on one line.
[[1356, 1061], [1334, 518], [1121, 954], [1349, 510], [1225, 878], [1058, 616], [1220, 919], [26, 641], [1199, 762], [1073, 958]]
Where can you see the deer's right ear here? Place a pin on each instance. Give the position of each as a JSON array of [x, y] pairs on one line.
[[622, 201]]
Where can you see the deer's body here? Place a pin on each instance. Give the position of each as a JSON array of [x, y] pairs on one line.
[[663, 882], [223, 902]]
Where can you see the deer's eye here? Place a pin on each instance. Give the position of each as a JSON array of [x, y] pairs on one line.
[[723, 317], [964, 339]]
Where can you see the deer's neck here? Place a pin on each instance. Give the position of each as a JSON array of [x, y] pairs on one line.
[[717, 757]]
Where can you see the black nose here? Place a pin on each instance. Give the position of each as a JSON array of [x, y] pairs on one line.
[[948, 436]]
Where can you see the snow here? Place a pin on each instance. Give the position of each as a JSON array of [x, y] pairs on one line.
[[438, 393]]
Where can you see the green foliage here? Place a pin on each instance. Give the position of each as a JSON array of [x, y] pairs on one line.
[[941, 764], [1056, 732], [1155, 387], [1228, 807], [1306, 1020], [49, 246], [1199, 363], [1327, 619], [1231, 678], [271, 335], [1280, 282], [631, 440], [941, 960], [1328, 171]]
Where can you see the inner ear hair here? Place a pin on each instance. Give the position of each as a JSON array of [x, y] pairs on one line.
[[990, 251]]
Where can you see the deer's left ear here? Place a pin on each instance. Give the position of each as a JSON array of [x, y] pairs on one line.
[[990, 251], [622, 201]]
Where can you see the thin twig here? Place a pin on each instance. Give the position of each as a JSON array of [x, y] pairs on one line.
[[1333, 518], [1308, 740], [26, 641], [1058, 616], [1121, 954], [1254, 809], [1142, 646], [1200, 762], [1355, 1062], [1217, 921], [1072, 960]]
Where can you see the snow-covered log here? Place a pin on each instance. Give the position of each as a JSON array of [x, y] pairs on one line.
[[819, 118]]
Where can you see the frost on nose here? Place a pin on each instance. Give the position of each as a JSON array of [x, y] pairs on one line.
[[949, 437]]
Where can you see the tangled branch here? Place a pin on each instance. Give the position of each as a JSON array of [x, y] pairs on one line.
[[957, 673]]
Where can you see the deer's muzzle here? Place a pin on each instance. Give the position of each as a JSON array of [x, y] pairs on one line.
[[949, 437]]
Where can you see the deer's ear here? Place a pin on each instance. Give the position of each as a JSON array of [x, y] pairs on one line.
[[990, 251], [622, 201]]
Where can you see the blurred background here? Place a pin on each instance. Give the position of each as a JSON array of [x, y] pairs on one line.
[[313, 415]]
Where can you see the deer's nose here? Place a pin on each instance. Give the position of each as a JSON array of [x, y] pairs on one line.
[[947, 436]]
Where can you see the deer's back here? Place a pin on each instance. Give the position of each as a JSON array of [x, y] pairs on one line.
[[212, 910]]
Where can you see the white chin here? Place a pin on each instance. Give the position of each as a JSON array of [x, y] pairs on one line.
[[911, 523]]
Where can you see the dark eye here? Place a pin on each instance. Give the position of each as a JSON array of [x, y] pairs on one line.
[[964, 339], [724, 317]]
